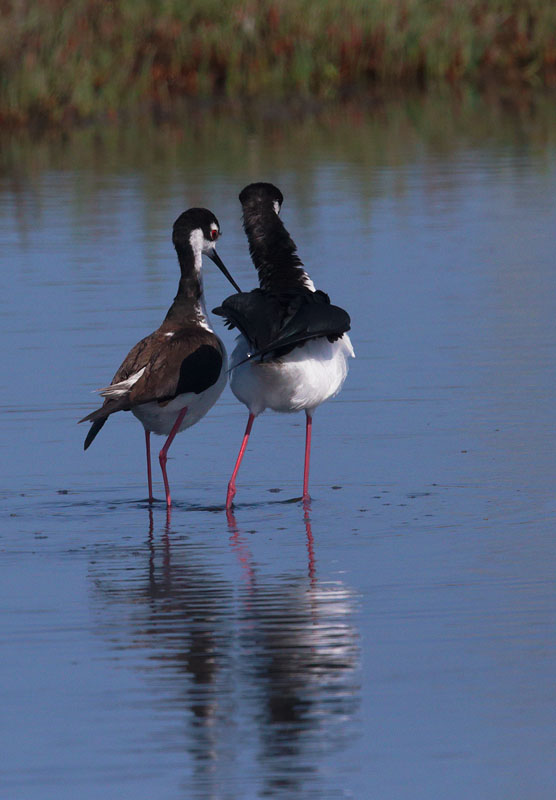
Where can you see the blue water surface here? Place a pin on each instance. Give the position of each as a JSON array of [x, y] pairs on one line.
[[394, 640]]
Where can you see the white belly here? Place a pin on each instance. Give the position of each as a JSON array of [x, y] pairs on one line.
[[160, 419], [301, 380]]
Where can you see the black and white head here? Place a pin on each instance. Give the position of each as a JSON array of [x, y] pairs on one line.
[[261, 195], [197, 230], [272, 249]]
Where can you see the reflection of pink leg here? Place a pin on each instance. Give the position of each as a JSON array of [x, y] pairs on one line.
[[232, 483], [307, 457], [241, 549], [149, 473], [310, 540], [162, 456]]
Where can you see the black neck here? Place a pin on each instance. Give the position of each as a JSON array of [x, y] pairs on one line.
[[187, 302], [272, 249]]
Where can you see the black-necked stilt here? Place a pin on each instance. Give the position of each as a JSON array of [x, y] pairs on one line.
[[293, 347], [170, 379]]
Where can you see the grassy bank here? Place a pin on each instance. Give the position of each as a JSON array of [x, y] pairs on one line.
[[64, 61]]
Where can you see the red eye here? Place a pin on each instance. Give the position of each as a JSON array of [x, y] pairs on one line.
[[214, 234]]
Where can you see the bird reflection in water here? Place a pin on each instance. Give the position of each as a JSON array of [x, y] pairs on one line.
[[273, 659], [302, 667], [187, 621]]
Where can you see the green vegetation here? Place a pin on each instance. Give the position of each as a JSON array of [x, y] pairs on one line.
[[62, 61]]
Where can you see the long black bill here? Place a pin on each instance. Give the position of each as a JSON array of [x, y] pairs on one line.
[[213, 255]]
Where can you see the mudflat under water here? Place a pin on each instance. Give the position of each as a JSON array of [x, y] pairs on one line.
[[396, 640]]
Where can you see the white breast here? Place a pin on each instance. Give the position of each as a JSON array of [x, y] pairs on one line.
[[301, 380]]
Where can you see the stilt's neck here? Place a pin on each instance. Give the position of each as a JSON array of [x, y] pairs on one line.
[[189, 302], [272, 249]]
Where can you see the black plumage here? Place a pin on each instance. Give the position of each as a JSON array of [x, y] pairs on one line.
[[272, 249], [276, 322], [284, 312]]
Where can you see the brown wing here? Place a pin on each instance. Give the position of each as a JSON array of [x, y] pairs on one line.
[[188, 361], [137, 358]]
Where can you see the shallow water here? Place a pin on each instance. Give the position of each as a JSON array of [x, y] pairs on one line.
[[397, 639]]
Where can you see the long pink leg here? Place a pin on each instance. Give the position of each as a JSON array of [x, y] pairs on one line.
[[232, 483], [162, 456], [307, 456], [149, 473]]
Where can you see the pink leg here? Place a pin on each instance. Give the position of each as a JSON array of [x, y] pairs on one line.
[[149, 473], [232, 483], [162, 456], [307, 456]]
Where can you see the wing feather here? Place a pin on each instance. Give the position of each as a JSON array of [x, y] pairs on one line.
[[158, 369], [275, 323]]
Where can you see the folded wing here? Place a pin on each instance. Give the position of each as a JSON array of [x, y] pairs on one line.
[[188, 362], [274, 324]]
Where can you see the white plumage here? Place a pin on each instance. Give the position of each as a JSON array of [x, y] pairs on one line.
[[299, 381], [122, 387]]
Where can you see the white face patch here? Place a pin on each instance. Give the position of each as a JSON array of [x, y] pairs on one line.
[[198, 245], [201, 245], [276, 206], [196, 240]]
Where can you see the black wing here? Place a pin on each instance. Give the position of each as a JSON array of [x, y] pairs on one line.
[[199, 371], [257, 315], [310, 322], [276, 323]]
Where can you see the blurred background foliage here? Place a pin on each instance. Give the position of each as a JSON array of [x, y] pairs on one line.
[[62, 62]]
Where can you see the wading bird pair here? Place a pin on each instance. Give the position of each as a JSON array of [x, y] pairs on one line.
[[291, 352]]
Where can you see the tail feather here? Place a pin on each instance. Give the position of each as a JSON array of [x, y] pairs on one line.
[[98, 418], [110, 406], [98, 413], [93, 430]]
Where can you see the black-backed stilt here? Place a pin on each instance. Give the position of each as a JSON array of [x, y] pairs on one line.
[[172, 377], [292, 350]]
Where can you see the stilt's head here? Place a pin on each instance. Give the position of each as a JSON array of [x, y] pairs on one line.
[[271, 247], [261, 195], [202, 224], [197, 230]]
